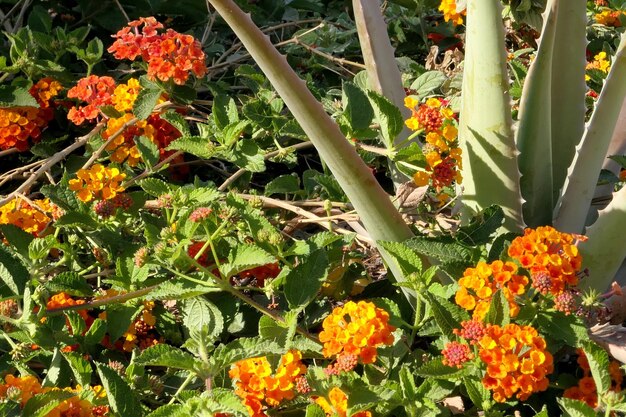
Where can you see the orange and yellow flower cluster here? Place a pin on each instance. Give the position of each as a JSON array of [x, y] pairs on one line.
[[93, 90], [451, 13], [517, 361], [154, 128], [479, 284], [356, 329], [599, 63], [337, 404], [608, 17], [258, 388], [551, 257], [586, 389], [19, 124], [31, 218], [22, 389], [170, 55], [139, 333], [98, 182], [443, 156]]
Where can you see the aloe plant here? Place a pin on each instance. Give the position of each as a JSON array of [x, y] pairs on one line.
[[551, 134]]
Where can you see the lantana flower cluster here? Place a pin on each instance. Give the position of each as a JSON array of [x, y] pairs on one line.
[[20, 127], [356, 329], [337, 404], [608, 17], [99, 182], [169, 54], [31, 218], [551, 257], [451, 12], [517, 361], [586, 389], [22, 389], [443, 156], [96, 92], [599, 63], [479, 284], [258, 388]]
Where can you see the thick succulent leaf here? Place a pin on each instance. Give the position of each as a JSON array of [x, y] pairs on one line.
[[583, 174], [604, 251], [568, 87], [491, 174], [534, 132]]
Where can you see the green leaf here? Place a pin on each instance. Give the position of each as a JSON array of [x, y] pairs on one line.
[[305, 280], [168, 410], [194, 145], [272, 330], [244, 257], [168, 356], [81, 368], [476, 391], [74, 218], [39, 20], [482, 226], [620, 159], [314, 410], [248, 155], [408, 261], [357, 108], [543, 412], [224, 111], [283, 184], [178, 121], [121, 397], [388, 116], [40, 247], [131, 273], [119, 318], [149, 150], [233, 131], [12, 272], [41, 404], [145, 102], [443, 250], [427, 83], [446, 315], [200, 315], [96, 332], [599, 365], [407, 382], [242, 348], [575, 408], [155, 187], [13, 96], [558, 326], [17, 238], [178, 289], [436, 369], [71, 283], [499, 309], [111, 112]]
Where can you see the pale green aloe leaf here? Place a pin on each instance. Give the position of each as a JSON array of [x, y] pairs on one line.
[[604, 251], [583, 173], [490, 169], [535, 129], [383, 73], [378, 214], [568, 87], [617, 146]]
